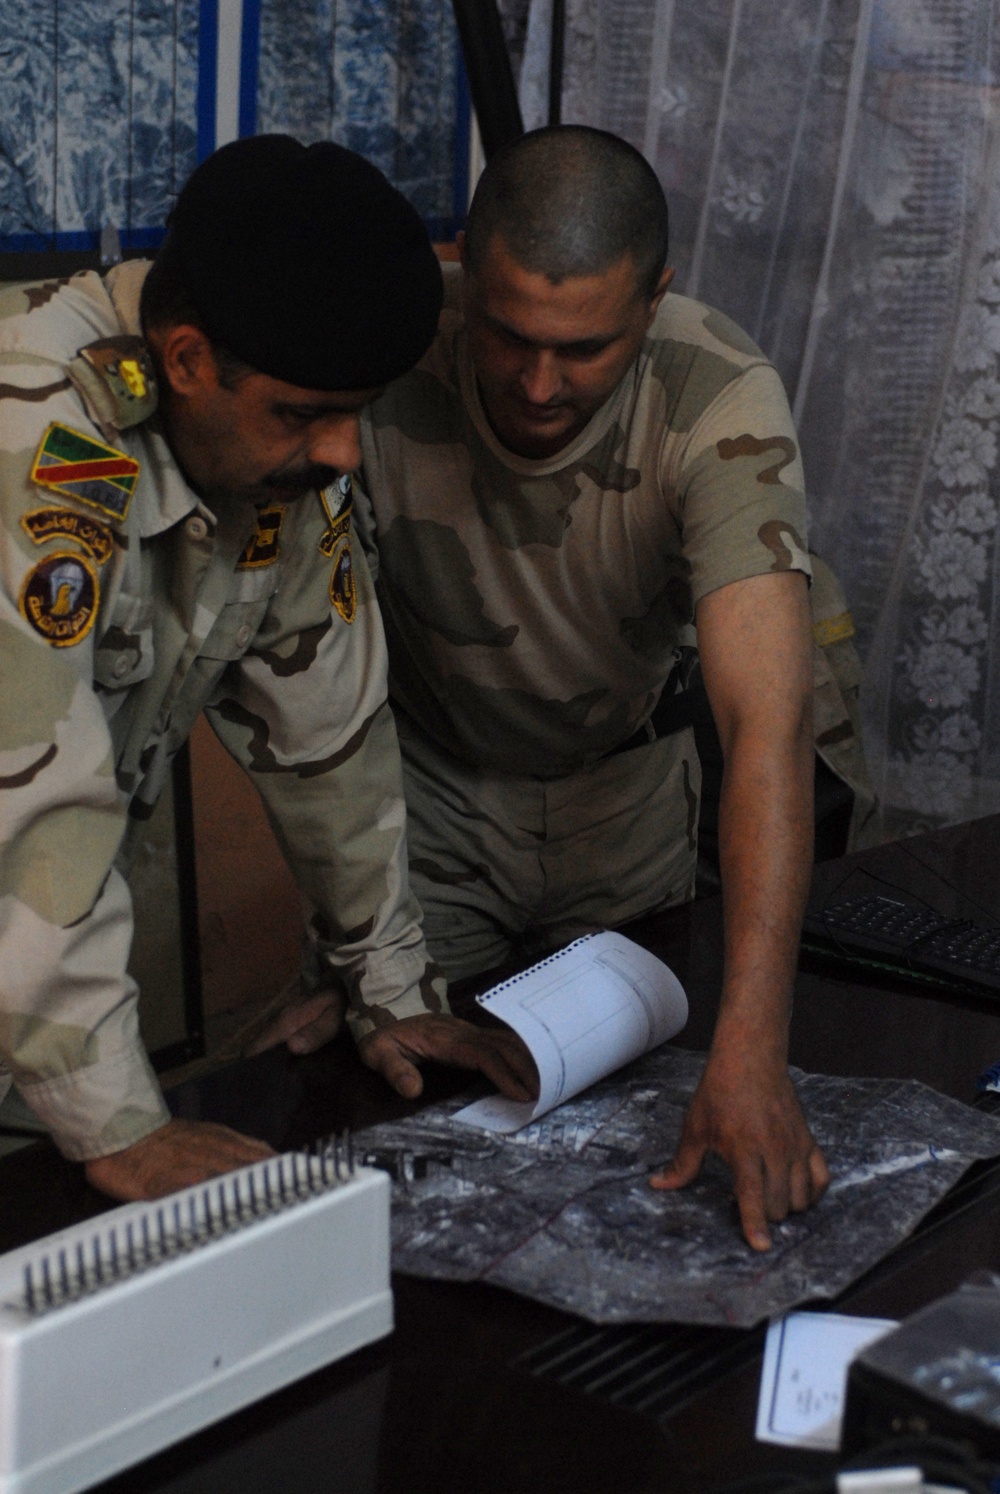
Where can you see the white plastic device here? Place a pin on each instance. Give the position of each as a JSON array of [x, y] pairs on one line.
[[130, 1331]]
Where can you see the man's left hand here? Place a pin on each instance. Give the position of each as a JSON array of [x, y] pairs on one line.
[[753, 1120], [396, 1052], [303, 1025]]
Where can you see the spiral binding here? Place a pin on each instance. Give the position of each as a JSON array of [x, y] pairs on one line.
[[185, 1223], [551, 959]]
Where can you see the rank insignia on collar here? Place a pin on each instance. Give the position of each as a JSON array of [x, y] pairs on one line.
[[264, 545], [51, 523], [343, 587], [60, 598], [85, 469]]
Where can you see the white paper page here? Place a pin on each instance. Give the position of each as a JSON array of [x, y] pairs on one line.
[[584, 1012], [804, 1378]]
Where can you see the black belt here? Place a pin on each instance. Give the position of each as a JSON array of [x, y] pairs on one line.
[[675, 709]]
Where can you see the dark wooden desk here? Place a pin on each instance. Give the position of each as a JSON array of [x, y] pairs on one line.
[[478, 1390]]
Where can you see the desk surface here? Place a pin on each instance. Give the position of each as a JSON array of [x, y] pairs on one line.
[[478, 1390]]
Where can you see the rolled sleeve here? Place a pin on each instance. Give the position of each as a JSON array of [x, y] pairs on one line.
[[740, 483]]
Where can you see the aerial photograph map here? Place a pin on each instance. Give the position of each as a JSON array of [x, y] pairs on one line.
[[562, 1211]]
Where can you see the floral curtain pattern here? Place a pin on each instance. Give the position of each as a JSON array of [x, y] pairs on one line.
[[833, 173], [97, 118], [100, 103], [379, 78]]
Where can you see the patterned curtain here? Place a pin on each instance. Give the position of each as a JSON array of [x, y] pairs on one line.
[[833, 173], [106, 105], [380, 78]]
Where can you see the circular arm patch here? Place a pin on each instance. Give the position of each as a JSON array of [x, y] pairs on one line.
[[60, 597]]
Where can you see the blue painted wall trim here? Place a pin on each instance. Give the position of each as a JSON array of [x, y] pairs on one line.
[[249, 67], [208, 59]]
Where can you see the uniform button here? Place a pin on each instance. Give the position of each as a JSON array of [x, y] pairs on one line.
[[243, 636], [196, 528], [121, 666]]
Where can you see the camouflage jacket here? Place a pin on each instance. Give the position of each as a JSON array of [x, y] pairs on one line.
[[534, 609], [126, 607]]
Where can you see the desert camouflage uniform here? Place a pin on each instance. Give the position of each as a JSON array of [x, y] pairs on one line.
[[535, 609], [116, 629]]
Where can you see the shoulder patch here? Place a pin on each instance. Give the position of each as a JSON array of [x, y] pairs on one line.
[[125, 369], [343, 587], [69, 462], [338, 498], [337, 501], [264, 545], [60, 598], [49, 523]]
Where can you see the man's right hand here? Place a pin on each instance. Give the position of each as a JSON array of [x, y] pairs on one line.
[[178, 1155], [397, 1051]]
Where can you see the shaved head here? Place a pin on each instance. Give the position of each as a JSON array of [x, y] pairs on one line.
[[571, 201]]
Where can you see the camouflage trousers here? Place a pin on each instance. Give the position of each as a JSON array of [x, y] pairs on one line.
[[504, 865]]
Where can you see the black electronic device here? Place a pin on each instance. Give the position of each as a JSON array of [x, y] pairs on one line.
[[935, 1376], [905, 938]]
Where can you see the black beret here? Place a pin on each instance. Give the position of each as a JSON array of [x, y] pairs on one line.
[[306, 263]]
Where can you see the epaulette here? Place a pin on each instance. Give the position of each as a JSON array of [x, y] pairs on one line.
[[114, 376]]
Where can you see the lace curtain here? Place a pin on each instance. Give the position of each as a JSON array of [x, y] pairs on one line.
[[833, 173]]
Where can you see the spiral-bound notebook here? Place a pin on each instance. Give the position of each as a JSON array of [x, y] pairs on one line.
[[584, 1012], [134, 1329]]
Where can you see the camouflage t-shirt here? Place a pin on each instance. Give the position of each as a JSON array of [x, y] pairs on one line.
[[127, 606], [533, 609]]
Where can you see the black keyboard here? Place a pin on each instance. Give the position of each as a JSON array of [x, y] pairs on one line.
[[907, 940]]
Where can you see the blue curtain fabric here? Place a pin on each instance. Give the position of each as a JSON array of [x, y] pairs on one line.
[[378, 77], [97, 118], [105, 105]]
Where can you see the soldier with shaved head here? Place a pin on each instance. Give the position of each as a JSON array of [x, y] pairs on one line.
[[583, 478], [176, 444]]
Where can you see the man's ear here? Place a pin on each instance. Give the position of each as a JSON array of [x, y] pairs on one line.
[[661, 290], [187, 359]]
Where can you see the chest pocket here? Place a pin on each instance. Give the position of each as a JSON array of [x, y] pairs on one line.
[[242, 614], [124, 654]]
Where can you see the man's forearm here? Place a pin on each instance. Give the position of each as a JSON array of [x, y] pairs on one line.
[[766, 841]]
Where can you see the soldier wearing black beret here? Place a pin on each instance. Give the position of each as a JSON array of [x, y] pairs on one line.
[[176, 444]]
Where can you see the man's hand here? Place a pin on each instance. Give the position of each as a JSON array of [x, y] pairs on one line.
[[303, 1025], [396, 1052], [178, 1155], [753, 1120]]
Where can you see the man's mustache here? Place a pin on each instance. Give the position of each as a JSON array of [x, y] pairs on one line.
[[302, 479]]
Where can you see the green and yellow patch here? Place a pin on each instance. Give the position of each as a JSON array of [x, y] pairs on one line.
[[69, 462]]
